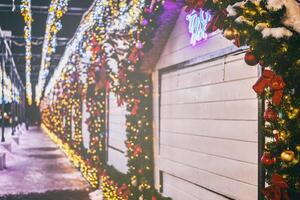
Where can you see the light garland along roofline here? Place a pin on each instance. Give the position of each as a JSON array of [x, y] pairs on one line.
[[10, 56], [27, 15], [8, 98], [7, 81], [57, 9], [85, 24]]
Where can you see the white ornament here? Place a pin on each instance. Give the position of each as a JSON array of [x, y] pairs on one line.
[[242, 19], [275, 5], [278, 32], [292, 16], [231, 11], [231, 8]]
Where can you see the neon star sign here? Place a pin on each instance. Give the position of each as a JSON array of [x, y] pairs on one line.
[[197, 25]]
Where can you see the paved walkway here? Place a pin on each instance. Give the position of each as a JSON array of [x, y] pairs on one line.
[[37, 165]]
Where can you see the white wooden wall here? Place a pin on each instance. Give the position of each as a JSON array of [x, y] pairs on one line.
[[72, 124], [206, 147], [85, 130], [117, 135]]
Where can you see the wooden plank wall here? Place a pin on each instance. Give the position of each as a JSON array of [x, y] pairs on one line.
[[117, 135], [206, 133], [85, 131], [179, 49]]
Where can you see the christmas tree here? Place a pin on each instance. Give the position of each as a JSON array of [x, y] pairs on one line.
[[271, 30]]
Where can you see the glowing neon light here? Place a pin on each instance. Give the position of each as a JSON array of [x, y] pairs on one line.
[[197, 25]]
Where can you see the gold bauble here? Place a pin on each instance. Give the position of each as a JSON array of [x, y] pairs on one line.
[[141, 197], [295, 161], [134, 182], [230, 33], [287, 156], [298, 147], [297, 185], [141, 187], [282, 135]]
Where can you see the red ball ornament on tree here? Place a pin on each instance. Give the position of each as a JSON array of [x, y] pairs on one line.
[[140, 171], [270, 115], [137, 150], [250, 59], [128, 144], [267, 159]]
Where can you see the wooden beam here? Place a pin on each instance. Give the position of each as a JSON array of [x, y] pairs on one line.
[[54, 57], [62, 39], [75, 11]]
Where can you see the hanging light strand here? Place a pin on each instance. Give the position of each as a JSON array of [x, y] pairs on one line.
[[56, 11], [27, 15]]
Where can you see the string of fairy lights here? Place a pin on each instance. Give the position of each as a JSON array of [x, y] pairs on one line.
[[27, 15], [91, 68], [7, 88], [56, 9], [12, 87]]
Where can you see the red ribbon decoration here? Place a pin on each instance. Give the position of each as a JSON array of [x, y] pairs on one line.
[[276, 136], [123, 191], [137, 149], [276, 191], [128, 144], [237, 41], [135, 107], [275, 82], [217, 21], [120, 100], [194, 5], [122, 75], [135, 55], [107, 86], [95, 46]]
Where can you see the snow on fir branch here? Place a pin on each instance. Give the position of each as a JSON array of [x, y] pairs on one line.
[[278, 32]]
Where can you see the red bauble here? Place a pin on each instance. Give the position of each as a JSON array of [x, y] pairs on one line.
[[153, 198], [250, 59], [137, 150], [128, 144], [270, 115], [267, 159], [140, 171]]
